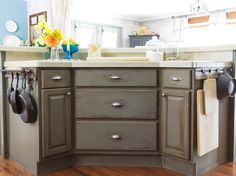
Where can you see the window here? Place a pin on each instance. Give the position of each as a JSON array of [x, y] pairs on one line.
[[107, 36]]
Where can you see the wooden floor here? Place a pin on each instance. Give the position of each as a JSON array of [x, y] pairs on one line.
[[11, 168], [114, 171]]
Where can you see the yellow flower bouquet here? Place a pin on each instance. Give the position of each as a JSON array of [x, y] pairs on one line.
[[49, 37]]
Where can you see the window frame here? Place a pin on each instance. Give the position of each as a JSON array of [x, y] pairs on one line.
[[99, 26]]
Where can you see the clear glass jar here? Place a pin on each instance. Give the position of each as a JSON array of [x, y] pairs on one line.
[[153, 52], [55, 53], [173, 50]]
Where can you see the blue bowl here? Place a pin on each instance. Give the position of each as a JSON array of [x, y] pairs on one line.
[[73, 48]]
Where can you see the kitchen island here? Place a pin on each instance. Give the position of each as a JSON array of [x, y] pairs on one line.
[[115, 113]]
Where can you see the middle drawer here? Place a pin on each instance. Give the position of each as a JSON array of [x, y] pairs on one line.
[[116, 103]]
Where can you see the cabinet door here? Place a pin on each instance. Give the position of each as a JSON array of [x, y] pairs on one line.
[[136, 42], [56, 121], [175, 123]]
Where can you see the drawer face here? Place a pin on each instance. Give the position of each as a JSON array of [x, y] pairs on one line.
[[178, 78], [116, 103], [116, 77], [55, 78], [94, 135]]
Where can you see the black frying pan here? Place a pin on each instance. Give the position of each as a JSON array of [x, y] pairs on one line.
[[16, 103], [29, 114], [10, 89], [30, 111]]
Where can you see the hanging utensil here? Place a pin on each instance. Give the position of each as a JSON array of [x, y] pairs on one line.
[[15, 100], [11, 88], [30, 111]]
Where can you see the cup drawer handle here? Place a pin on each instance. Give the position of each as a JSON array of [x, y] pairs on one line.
[[57, 78], [115, 77], [116, 104], [175, 78], [116, 137]]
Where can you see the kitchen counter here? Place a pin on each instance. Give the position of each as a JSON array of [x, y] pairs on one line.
[[78, 64], [128, 50], [115, 99], [212, 53]]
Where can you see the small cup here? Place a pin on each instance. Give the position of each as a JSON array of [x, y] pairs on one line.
[[94, 50], [27, 43], [22, 43]]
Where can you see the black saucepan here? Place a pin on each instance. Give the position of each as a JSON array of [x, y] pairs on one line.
[[30, 111], [16, 103], [226, 86]]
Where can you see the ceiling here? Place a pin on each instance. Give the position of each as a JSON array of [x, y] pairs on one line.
[[146, 9]]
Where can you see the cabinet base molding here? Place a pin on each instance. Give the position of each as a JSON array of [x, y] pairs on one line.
[[187, 168], [121, 160], [179, 166], [55, 164]]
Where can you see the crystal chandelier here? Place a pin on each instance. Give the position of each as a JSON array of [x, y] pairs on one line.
[[199, 7]]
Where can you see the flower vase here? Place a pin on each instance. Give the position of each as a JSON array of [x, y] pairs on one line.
[[55, 53], [47, 54]]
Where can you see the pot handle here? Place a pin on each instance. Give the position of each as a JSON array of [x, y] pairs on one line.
[[17, 80], [233, 93], [24, 81]]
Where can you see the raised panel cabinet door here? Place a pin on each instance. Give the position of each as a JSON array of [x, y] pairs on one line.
[[175, 123], [56, 121]]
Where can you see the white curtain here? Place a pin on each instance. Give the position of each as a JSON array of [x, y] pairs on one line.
[[110, 37], [179, 27], [61, 16], [85, 34]]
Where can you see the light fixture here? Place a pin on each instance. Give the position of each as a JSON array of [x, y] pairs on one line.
[[199, 7]]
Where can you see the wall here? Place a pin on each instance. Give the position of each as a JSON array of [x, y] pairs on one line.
[[194, 36], [14, 10], [164, 27], [127, 26], [35, 6]]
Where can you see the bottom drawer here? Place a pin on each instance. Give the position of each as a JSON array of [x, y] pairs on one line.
[[91, 135]]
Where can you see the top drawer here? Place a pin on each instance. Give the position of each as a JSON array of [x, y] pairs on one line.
[[177, 78], [116, 77], [55, 78]]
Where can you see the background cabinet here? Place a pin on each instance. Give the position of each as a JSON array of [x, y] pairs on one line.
[[140, 40]]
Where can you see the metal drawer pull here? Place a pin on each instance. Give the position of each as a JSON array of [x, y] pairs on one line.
[[115, 77], [57, 77], [68, 93], [175, 78], [116, 137], [163, 94], [116, 104]]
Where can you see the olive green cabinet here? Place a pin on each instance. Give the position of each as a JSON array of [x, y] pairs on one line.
[[56, 121], [175, 123], [116, 111]]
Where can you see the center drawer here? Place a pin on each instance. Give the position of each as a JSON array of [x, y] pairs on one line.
[[116, 77], [95, 135], [116, 103]]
